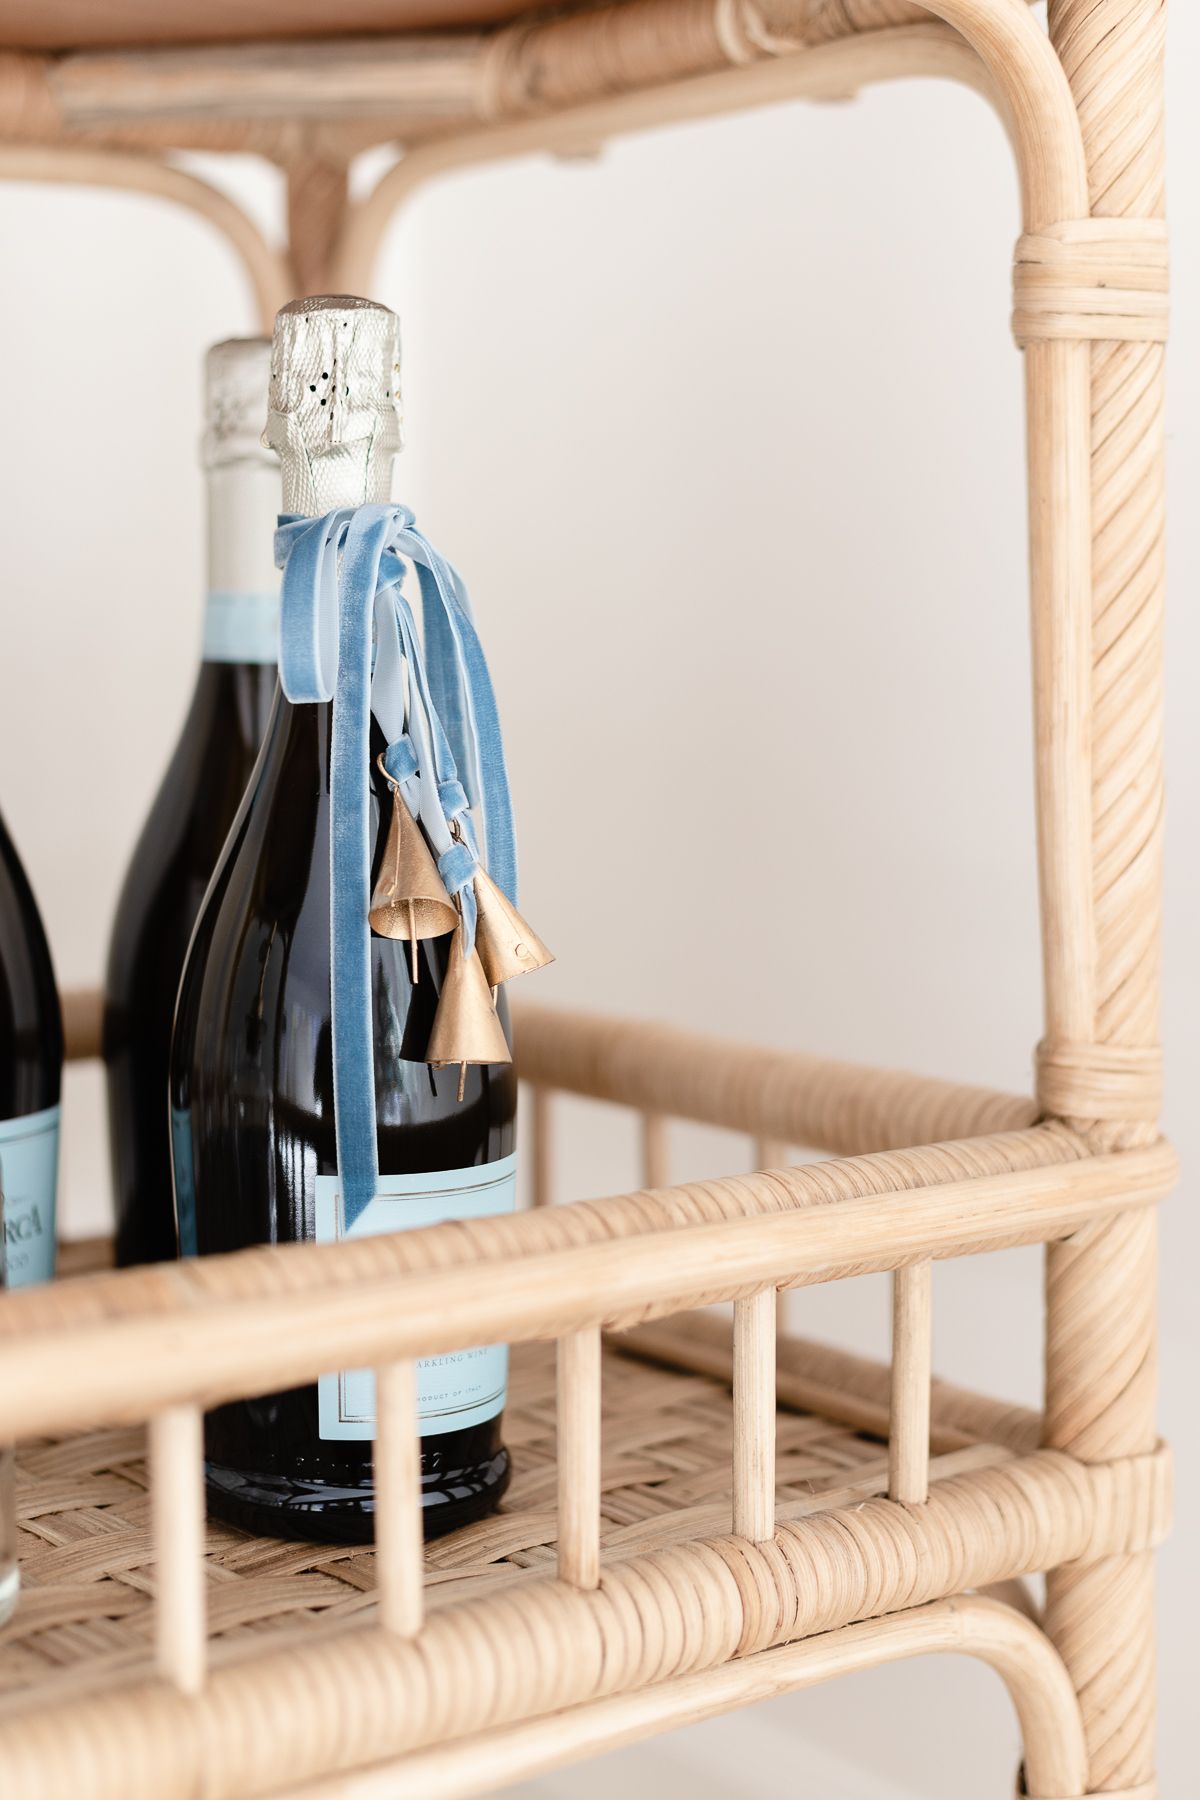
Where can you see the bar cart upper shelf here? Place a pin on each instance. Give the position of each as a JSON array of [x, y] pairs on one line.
[[704, 1515]]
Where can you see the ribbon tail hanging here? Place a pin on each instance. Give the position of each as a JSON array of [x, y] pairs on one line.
[[436, 706]]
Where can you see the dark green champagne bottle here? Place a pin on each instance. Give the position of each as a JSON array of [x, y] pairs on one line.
[[199, 796], [252, 1059]]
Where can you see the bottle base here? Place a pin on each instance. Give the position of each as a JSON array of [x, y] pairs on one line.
[[312, 1512]]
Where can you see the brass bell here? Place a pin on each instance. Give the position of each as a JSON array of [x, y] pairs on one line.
[[466, 1028], [507, 945], [410, 899]]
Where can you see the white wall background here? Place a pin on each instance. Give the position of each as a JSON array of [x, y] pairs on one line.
[[726, 431]]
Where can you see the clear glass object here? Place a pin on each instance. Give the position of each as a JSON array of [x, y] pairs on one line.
[[10, 1574]]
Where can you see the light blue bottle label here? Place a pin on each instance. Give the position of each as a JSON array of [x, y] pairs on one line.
[[464, 1387], [29, 1174], [241, 628]]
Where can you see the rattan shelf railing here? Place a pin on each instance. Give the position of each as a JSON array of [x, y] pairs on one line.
[[704, 1514], [700, 1518]]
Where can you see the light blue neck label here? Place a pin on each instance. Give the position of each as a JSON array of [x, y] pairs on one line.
[[462, 1387], [241, 627], [29, 1175]]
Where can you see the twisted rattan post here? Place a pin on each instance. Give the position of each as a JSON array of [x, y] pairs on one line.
[[1101, 1284]]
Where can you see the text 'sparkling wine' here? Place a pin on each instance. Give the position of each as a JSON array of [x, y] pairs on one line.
[[199, 796], [31, 1058], [261, 1154]]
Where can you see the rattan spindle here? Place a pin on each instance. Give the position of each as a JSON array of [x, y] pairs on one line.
[[541, 1132], [754, 1416], [399, 1559], [654, 1150], [177, 1524], [578, 1446], [912, 1371]]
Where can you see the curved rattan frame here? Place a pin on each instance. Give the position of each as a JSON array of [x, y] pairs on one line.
[[265, 270], [1083, 108], [1033, 1674]]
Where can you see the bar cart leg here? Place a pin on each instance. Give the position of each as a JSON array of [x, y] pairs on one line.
[[1101, 1284]]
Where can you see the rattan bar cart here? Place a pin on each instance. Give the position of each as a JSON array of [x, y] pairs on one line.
[[755, 1513]]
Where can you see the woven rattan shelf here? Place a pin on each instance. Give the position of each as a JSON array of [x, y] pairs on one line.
[[87, 1623], [700, 1549], [88, 1554]]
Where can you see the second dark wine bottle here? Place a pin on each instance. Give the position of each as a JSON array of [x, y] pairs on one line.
[[194, 808]]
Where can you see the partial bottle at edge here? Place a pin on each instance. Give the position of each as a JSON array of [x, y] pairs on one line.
[[199, 796], [31, 1059], [252, 1065]]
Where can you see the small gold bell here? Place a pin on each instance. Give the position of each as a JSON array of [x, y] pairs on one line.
[[466, 1028], [410, 899], [507, 945]]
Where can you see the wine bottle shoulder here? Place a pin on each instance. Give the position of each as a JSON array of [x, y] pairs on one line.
[[187, 824]]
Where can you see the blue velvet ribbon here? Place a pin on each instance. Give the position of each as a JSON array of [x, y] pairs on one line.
[[349, 635]]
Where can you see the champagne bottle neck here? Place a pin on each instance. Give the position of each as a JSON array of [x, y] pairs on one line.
[[241, 622], [358, 473], [334, 416], [243, 501]]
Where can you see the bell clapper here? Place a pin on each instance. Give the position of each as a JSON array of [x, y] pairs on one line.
[[462, 1081], [412, 940]]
